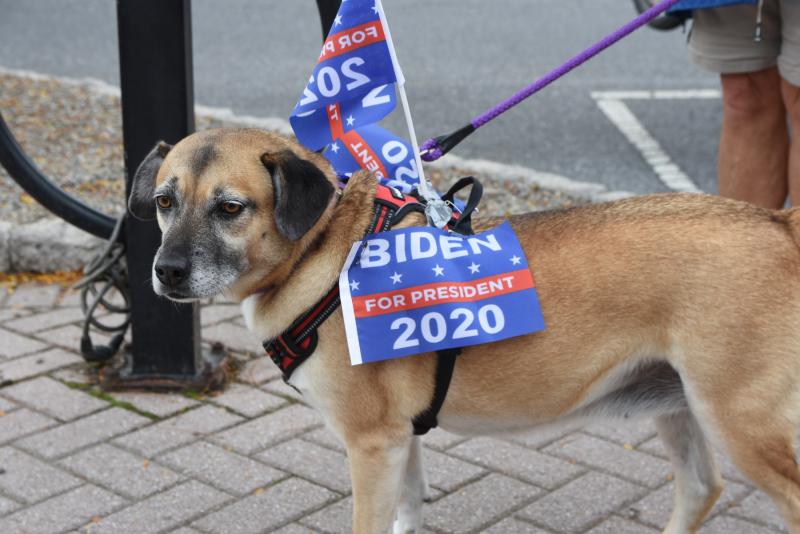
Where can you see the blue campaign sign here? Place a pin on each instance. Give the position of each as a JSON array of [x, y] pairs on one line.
[[423, 289], [355, 59], [376, 149], [319, 127]]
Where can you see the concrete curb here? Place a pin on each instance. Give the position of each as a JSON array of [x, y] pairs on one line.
[[502, 172]]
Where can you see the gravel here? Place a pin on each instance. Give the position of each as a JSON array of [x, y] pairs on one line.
[[73, 133]]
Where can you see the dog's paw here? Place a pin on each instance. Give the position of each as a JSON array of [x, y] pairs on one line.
[[403, 526]]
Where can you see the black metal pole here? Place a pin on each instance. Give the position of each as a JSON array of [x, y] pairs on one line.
[[327, 12], [155, 54]]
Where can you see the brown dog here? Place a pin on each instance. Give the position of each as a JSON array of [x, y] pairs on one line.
[[685, 308]]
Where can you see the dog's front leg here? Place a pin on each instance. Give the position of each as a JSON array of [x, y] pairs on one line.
[[377, 466], [409, 511]]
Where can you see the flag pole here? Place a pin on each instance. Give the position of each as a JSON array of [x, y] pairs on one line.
[[438, 213]]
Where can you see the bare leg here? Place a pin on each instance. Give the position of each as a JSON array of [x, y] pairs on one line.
[[754, 145], [791, 100], [409, 511], [697, 481]]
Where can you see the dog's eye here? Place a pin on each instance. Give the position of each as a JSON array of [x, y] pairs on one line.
[[232, 208], [164, 202]]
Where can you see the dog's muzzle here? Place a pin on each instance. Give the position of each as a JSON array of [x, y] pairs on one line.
[[173, 272]]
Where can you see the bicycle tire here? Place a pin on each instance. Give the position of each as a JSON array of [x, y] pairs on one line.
[[665, 22]]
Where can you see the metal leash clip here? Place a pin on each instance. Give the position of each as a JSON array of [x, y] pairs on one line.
[[438, 213]]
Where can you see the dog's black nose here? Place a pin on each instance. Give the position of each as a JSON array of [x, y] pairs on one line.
[[172, 271]]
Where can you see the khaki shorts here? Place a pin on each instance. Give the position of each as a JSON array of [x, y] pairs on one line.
[[722, 39]]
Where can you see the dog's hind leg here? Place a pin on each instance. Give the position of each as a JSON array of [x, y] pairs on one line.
[[697, 481], [409, 511], [753, 413], [768, 460]]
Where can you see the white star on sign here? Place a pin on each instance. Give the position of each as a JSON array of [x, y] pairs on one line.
[[350, 120], [335, 149], [337, 20], [515, 259], [474, 268], [375, 7], [354, 285], [438, 270], [396, 278]]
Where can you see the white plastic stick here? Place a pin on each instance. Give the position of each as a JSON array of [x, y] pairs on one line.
[[425, 188]]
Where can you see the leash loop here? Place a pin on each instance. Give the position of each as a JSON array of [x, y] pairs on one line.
[[435, 148]]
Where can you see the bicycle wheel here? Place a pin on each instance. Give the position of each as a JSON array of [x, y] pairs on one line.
[[664, 22]]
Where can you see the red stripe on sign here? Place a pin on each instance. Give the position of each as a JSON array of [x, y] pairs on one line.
[[352, 39], [335, 120], [411, 298], [363, 154]]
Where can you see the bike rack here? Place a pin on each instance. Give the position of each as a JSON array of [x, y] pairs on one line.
[[157, 94], [40, 187]]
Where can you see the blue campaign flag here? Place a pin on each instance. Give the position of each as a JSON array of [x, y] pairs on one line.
[[376, 149], [423, 289], [319, 127], [355, 59]]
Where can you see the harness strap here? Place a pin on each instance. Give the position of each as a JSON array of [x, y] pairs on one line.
[[293, 347], [289, 350], [446, 359], [445, 363]]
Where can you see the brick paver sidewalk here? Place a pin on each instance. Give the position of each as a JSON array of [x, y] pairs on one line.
[[256, 459]]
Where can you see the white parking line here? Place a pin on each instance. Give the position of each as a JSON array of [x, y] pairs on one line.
[[707, 94], [612, 104]]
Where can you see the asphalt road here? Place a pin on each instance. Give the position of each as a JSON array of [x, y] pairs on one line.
[[459, 58]]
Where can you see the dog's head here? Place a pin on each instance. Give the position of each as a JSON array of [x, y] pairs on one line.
[[233, 207]]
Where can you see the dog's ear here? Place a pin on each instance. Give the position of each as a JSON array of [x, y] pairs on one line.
[[301, 191], [141, 204]]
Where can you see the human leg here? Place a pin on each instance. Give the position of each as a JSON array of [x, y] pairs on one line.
[[754, 144], [789, 67], [791, 99]]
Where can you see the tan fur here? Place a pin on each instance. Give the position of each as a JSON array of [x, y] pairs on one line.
[[709, 285]]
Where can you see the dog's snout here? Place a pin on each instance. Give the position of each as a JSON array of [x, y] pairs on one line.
[[172, 271]]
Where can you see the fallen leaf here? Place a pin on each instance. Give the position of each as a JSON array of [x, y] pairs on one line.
[[63, 278]]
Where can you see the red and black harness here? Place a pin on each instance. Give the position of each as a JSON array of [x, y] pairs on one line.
[[290, 349]]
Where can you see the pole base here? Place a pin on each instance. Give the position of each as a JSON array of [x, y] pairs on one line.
[[212, 376]]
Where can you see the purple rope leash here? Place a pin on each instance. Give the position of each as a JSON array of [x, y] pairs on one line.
[[435, 148]]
